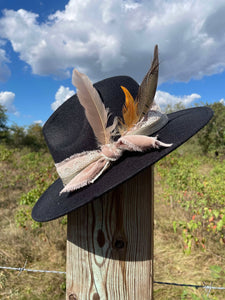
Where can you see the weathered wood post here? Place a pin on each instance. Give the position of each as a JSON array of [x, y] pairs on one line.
[[110, 244]]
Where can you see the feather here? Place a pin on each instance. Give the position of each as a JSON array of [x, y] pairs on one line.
[[147, 89], [129, 110], [95, 111]]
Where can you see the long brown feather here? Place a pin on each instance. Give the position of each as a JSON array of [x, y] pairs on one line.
[[147, 89], [95, 110]]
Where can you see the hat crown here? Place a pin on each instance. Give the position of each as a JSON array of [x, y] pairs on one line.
[[68, 132]]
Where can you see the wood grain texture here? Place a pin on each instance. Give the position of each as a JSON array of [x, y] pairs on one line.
[[110, 244]]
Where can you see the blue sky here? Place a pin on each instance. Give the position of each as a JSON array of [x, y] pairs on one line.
[[42, 41]]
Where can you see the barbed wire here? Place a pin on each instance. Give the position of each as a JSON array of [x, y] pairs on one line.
[[31, 270], [208, 288], [180, 284], [204, 286]]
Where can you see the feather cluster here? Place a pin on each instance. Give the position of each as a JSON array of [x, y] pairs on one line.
[[139, 121], [133, 111]]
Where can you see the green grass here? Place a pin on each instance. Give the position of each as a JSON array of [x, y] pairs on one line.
[[188, 226]]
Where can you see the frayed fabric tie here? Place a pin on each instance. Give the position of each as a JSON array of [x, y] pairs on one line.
[[84, 168]]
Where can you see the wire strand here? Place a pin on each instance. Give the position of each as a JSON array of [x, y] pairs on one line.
[[31, 270], [204, 286], [210, 287]]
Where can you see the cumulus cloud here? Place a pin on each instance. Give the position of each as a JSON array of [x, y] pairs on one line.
[[164, 99], [222, 101], [7, 100], [4, 69], [117, 37], [61, 96]]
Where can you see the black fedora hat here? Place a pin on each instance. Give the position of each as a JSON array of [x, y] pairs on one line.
[[70, 136]]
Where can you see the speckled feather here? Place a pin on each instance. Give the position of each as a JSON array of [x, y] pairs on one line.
[[147, 89]]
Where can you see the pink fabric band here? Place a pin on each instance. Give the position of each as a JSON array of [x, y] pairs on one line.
[[84, 168]]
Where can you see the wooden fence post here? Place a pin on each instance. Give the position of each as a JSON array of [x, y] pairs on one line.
[[110, 244]]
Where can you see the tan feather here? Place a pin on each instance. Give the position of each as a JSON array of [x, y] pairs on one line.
[[147, 89], [95, 111]]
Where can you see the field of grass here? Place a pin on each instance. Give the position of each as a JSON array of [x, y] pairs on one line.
[[189, 244]]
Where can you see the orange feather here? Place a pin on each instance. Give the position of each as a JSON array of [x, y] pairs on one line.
[[130, 113]]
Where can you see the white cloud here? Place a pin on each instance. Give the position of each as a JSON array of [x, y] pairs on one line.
[[40, 122], [7, 100], [61, 96], [164, 99], [4, 69], [117, 37], [222, 101]]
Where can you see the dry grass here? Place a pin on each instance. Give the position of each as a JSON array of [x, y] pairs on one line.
[[44, 251], [42, 248]]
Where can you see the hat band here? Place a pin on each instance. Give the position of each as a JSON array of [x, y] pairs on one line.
[[155, 121], [83, 168], [72, 166]]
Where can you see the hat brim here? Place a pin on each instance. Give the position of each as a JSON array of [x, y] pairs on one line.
[[181, 126]]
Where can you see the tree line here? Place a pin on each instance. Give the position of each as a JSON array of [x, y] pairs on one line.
[[20, 136], [211, 139]]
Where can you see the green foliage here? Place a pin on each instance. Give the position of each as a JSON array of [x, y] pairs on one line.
[[63, 285], [21, 136], [31, 137], [3, 117], [172, 108], [5, 153], [199, 193], [203, 297], [212, 137], [27, 201], [216, 272], [17, 136], [185, 295], [34, 137], [3, 122], [35, 173]]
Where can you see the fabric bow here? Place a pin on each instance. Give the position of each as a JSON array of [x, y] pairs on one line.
[[86, 167]]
